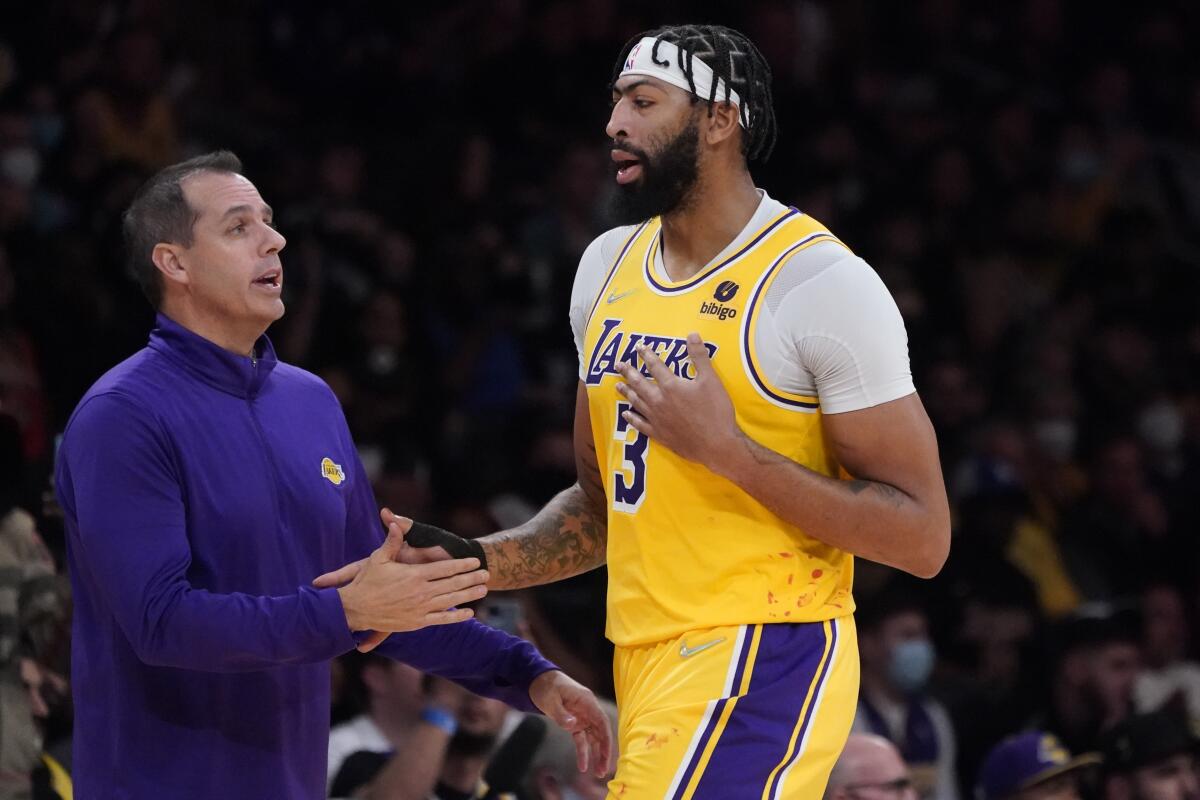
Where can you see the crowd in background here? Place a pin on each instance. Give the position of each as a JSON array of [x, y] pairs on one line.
[[1025, 177]]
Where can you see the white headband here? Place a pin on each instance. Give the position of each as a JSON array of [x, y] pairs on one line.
[[640, 62]]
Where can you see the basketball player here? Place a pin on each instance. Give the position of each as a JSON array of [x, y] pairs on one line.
[[746, 423]]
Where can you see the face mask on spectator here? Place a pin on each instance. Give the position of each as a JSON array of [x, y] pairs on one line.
[[911, 663]]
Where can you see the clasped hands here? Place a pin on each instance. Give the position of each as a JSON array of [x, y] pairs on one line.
[[402, 588]]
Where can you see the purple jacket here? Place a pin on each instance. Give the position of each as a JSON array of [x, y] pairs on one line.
[[203, 492]]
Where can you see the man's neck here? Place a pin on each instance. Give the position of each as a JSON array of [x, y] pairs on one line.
[[239, 339], [696, 233]]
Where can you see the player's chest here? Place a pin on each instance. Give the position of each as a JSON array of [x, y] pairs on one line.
[[632, 314]]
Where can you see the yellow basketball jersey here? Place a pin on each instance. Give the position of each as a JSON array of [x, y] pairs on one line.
[[686, 548]]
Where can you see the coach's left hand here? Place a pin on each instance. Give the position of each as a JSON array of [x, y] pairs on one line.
[[693, 418], [571, 705]]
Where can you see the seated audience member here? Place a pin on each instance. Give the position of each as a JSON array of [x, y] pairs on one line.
[[30, 612], [553, 772], [1151, 757], [870, 768], [1032, 766], [420, 736], [897, 659], [1168, 676], [1095, 666]]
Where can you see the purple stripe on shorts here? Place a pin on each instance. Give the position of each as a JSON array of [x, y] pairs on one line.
[[755, 739], [718, 709]]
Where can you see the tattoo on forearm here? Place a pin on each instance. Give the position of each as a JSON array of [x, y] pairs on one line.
[[568, 537]]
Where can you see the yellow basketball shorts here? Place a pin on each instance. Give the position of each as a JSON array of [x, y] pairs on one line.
[[759, 712]]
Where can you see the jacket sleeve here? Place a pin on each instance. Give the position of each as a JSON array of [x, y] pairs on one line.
[[126, 524], [483, 660]]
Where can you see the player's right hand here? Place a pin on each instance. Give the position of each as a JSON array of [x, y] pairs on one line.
[[387, 596], [408, 553]]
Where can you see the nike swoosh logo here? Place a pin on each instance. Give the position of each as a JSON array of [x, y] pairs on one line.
[[613, 297], [685, 651]]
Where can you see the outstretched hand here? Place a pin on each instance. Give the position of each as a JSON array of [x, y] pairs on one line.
[[575, 709], [387, 596], [406, 554], [693, 418]]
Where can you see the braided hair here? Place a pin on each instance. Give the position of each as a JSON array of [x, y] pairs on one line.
[[733, 58]]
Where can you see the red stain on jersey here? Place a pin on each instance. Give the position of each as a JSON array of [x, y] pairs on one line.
[[817, 574], [787, 555], [770, 598], [790, 579]]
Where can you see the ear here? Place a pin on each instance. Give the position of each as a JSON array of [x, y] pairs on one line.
[[167, 258], [722, 124], [547, 785]]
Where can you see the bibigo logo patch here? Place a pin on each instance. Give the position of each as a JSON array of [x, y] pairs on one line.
[[332, 472]]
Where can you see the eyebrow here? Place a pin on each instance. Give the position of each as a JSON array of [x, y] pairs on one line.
[[629, 87], [244, 208]]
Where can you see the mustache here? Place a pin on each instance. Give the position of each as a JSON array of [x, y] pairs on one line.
[[640, 154]]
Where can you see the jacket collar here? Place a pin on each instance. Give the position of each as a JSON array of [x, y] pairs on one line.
[[238, 375]]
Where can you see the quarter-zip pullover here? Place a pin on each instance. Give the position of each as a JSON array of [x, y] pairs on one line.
[[203, 491]]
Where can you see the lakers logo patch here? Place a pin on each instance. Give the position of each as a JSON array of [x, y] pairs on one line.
[[332, 472]]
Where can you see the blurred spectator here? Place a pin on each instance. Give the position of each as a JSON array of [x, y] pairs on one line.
[[30, 610], [403, 737], [1092, 680], [1032, 766], [1152, 757], [993, 676], [1121, 527], [1169, 677], [130, 114], [870, 768], [21, 389], [553, 773], [897, 660]]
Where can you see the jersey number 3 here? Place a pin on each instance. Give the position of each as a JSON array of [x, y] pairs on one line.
[[629, 484]]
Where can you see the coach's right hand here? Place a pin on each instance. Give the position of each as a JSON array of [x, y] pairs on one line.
[[388, 596]]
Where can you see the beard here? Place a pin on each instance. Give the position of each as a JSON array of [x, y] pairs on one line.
[[666, 182]]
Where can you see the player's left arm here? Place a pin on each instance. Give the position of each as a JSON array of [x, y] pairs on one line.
[[893, 511]]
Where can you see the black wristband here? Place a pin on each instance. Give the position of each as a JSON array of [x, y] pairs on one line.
[[422, 535]]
